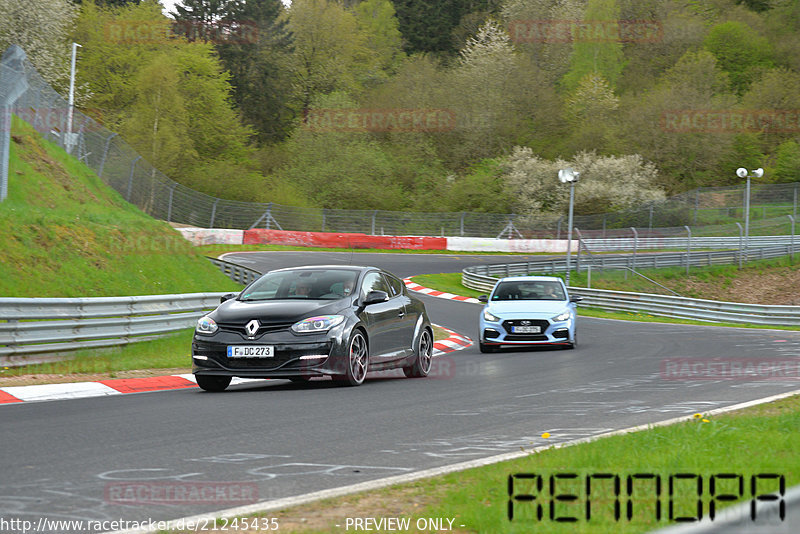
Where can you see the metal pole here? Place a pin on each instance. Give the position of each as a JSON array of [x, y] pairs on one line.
[[589, 276], [374, 214], [463, 214], [130, 178], [323, 219], [650, 227], [169, 208], [105, 153], [635, 246], [213, 213], [740, 245], [688, 248], [696, 204], [68, 141], [569, 226], [747, 214], [791, 218], [794, 203]]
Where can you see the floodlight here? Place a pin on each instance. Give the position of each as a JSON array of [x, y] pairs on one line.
[[741, 172]]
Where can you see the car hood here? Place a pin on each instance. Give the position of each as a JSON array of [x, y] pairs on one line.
[[276, 311], [528, 308]]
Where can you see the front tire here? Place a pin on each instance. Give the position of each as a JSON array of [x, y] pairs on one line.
[[357, 360], [213, 383], [486, 349], [574, 343], [422, 363]]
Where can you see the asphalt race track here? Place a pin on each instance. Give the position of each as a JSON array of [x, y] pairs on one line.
[[74, 459]]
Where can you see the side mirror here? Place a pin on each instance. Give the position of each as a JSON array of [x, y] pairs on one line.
[[374, 297], [484, 298], [227, 296], [575, 298]]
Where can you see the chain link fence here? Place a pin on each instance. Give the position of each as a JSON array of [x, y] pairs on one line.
[[23, 92]]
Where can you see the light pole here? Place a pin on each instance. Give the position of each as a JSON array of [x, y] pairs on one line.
[[68, 140], [570, 176], [741, 172]]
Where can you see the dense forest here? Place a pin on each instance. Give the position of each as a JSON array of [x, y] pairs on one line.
[[453, 105]]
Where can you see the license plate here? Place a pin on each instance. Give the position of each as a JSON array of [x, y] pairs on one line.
[[251, 351], [526, 329]]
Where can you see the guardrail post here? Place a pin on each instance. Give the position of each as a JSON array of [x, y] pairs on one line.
[[688, 248]]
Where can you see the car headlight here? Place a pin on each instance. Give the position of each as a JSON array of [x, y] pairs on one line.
[[562, 317], [489, 317], [206, 325], [322, 323]]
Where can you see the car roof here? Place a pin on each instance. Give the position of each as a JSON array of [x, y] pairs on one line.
[[359, 268], [530, 279]]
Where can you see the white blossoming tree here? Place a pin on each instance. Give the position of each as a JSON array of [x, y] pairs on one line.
[[606, 183], [41, 28]]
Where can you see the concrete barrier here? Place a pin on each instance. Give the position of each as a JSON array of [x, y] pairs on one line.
[[212, 236], [343, 240]]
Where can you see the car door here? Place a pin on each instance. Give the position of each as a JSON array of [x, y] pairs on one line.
[[408, 322], [381, 318]]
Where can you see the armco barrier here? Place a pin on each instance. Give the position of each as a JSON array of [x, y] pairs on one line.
[[338, 240], [37, 326], [480, 278]]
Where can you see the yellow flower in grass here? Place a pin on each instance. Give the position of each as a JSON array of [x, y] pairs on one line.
[[697, 415], [546, 435], [706, 421]]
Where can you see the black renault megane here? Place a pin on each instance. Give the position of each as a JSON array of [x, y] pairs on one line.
[[305, 322]]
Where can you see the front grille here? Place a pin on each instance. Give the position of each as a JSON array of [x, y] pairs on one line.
[[263, 329], [543, 324]]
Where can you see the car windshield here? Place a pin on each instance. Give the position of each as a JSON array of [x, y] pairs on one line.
[[315, 284], [527, 290]]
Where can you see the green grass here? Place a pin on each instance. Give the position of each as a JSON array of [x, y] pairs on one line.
[[169, 352], [748, 444], [759, 440], [66, 234]]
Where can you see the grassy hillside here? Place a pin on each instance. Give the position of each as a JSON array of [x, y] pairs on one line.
[[66, 234]]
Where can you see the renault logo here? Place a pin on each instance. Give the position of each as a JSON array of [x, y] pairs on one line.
[[252, 328]]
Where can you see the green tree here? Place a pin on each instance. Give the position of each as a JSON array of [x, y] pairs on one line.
[[787, 162], [157, 123], [428, 26], [740, 51], [330, 53], [377, 21], [259, 64], [591, 55], [591, 111]]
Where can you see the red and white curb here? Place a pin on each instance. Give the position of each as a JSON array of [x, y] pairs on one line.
[[413, 286], [451, 344], [121, 386]]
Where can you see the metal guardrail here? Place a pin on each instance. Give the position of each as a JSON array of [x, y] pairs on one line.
[[622, 243], [237, 273], [36, 326], [626, 261], [483, 278]]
